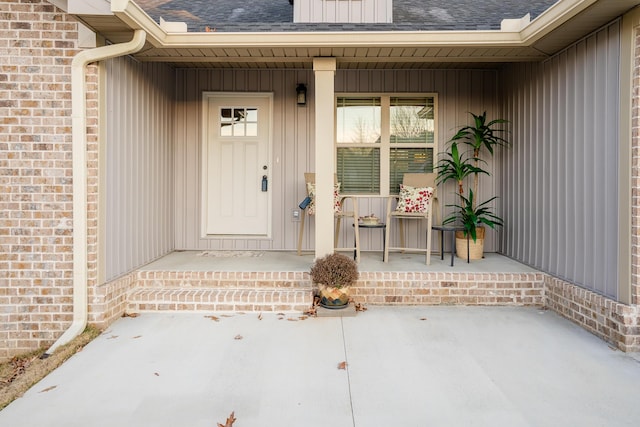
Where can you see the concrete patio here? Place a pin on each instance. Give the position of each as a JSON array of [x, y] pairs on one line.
[[406, 366]]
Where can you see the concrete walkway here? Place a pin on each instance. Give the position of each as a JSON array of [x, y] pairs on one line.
[[406, 366]]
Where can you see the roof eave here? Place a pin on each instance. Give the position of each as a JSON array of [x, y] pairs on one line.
[[549, 21]]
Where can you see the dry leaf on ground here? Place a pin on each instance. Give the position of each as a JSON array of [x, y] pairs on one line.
[[125, 314], [360, 307], [342, 365], [230, 420], [260, 316], [214, 318], [238, 337], [423, 318], [112, 337], [48, 389], [313, 310], [136, 337]]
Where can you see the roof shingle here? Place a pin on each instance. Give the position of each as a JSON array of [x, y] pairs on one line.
[[277, 15]]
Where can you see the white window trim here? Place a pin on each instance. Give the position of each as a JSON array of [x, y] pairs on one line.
[[385, 130]]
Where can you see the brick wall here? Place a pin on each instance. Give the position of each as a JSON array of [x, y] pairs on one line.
[[635, 176], [616, 323], [408, 288], [37, 43]]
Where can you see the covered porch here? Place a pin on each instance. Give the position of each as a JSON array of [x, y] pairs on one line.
[[153, 200]]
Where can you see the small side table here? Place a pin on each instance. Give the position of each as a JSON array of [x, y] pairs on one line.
[[452, 229], [382, 226]]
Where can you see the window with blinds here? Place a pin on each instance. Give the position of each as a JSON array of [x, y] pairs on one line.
[[407, 141]]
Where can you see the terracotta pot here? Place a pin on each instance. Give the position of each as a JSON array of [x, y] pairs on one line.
[[476, 249], [331, 297]]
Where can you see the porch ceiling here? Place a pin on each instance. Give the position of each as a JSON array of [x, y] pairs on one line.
[[549, 33]]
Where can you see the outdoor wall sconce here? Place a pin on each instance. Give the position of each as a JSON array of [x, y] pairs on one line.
[[301, 94]]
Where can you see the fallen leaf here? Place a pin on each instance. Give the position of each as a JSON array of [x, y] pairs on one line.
[[360, 307], [260, 316], [303, 317], [238, 337], [156, 374], [342, 365], [423, 318], [290, 319], [48, 389], [313, 310], [136, 337], [125, 314], [214, 318], [112, 337], [230, 420], [280, 314]]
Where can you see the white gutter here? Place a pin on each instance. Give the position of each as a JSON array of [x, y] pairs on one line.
[[79, 146]]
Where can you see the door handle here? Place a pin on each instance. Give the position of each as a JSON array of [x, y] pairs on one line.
[[265, 183]]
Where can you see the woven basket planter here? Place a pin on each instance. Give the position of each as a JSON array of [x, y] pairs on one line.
[[476, 249]]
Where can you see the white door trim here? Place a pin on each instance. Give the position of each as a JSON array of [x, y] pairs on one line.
[[204, 199]]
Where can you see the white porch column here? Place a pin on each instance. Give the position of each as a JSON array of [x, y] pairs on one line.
[[324, 70]]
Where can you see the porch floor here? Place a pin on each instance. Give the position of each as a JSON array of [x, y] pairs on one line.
[[247, 261], [405, 366]]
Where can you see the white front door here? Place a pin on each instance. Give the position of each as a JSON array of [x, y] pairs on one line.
[[237, 170]]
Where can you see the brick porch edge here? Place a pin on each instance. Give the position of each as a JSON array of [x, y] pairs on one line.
[[616, 323]]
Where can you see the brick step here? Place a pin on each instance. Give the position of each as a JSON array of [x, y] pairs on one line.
[[207, 299], [232, 280]]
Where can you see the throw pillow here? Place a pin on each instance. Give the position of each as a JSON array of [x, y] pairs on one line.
[[311, 189], [414, 199]]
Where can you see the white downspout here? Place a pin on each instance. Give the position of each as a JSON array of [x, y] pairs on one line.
[[79, 147]]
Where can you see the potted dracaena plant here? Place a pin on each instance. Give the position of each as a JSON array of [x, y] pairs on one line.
[[334, 274], [457, 165]]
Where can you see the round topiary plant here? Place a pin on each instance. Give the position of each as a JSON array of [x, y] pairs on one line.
[[334, 270]]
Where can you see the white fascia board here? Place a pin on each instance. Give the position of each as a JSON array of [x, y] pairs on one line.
[[345, 39], [137, 19], [559, 13]]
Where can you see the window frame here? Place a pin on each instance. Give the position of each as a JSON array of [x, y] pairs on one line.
[[385, 145]]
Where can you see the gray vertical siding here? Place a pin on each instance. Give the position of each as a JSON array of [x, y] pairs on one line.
[[139, 170], [559, 193], [459, 91]]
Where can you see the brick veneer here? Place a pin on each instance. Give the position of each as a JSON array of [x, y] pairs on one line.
[[406, 288], [292, 291], [616, 323], [37, 44], [635, 176], [221, 291]]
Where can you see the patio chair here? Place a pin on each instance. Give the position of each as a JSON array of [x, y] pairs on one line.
[[415, 202], [339, 213]]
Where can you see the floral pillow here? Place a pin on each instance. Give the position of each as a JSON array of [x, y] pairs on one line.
[[311, 189], [414, 199]]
